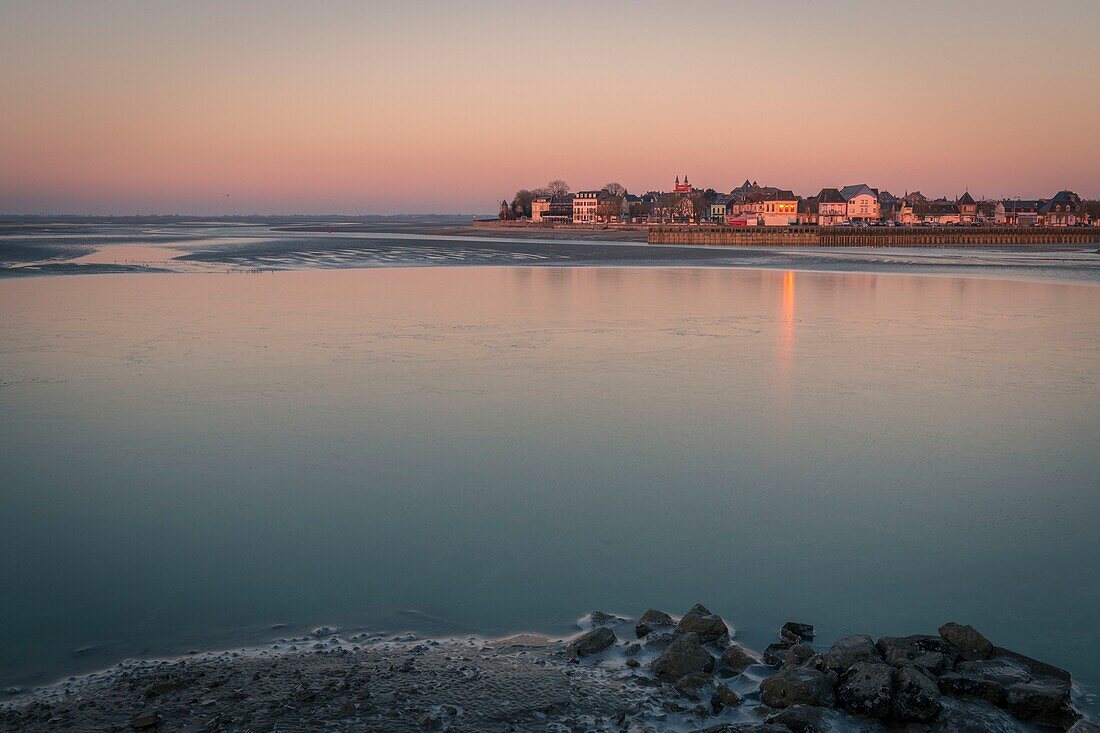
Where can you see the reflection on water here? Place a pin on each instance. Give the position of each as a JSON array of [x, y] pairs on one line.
[[188, 460]]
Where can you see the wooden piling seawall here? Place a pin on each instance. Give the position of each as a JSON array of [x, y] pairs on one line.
[[872, 236]]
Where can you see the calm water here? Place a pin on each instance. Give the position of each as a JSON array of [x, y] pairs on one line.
[[189, 459]]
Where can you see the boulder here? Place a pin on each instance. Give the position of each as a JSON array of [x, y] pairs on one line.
[[652, 620], [695, 686], [145, 721], [849, 650], [592, 642], [796, 632], [724, 697], [775, 654], [1003, 671], [970, 716], [1033, 666], [684, 656], [935, 663], [968, 640], [1084, 726], [795, 685], [802, 655], [1042, 702], [962, 684], [601, 618], [867, 688], [897, 650], [709, 626], [808, 719], [916, 696], [658, 640], [736, 659]]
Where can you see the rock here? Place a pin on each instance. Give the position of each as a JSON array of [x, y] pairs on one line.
[[849, 650], [1084, 726], [633, 663], [709, 626], [775, 654], [1003, 671], [807, 719], [652, 620], [897, 650], [972, 685], [795, 685], [324, 631], [802, 655], [1033, 666], [724, 697], [144, 721], [916, 696], [936, 663], [1043, 702], [658, 640], [683, 656], [867, 688], [601, 618], [737, 659], [694, 686], [968, 640], [969, 716], [796, 632], [592, 642]]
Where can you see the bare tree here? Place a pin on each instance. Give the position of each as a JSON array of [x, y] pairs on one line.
[[521, 202], [609, 207], [557, 187], [615, 189], [700, 205]]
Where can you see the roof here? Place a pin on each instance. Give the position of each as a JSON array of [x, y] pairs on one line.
[[1016, 205], [850, 192], [967, 199], [830, 196]]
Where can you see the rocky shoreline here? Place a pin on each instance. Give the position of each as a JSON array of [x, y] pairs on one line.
[[658, 673]]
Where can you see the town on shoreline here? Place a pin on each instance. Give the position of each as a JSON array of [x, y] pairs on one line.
[[754, 205]]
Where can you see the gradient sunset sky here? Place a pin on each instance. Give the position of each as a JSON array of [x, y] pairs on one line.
[[387, 107]]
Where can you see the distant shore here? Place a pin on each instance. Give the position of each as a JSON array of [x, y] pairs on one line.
[[656, 673]]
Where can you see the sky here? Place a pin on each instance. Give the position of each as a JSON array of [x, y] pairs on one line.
[[415, 106]]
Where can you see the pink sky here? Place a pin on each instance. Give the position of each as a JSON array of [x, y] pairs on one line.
[[358, 107]]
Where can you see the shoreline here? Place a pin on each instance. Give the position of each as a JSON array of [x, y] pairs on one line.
[[655, 673]]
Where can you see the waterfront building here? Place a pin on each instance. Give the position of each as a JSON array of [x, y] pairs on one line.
[[1022, 213], [1064, 210], [770, 206], [832, 207], [539, 206], [560, 210], [992, 213], [807, 210], [968, 209], [862, 202], [684, 188], [718, 211], [585, 205]]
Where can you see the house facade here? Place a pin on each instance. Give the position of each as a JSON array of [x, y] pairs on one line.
[[539, 206], [1064, 210], [862, 202], [832, 208], [585, 205]]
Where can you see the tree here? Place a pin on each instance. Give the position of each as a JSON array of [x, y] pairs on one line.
[[521, 202], [700, 205], [615, 189], [609, 207], [557, 187]]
